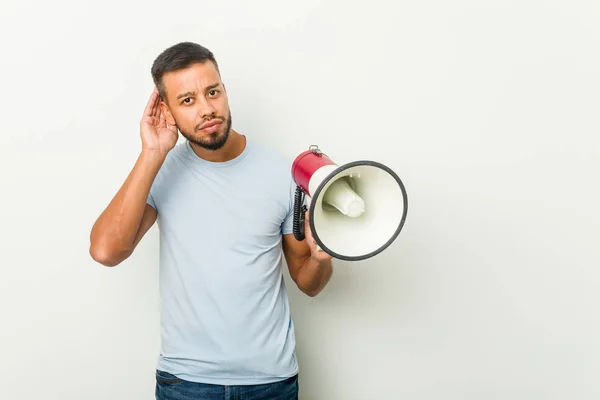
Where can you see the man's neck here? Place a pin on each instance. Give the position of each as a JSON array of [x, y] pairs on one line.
[[234, 146]]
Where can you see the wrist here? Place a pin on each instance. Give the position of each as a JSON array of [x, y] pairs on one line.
[[153, 152], [153, 156]]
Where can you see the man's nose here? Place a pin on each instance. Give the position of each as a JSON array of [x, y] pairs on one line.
[[206, 108]]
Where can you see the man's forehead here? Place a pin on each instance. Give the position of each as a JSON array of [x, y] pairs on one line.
[[195, 77]]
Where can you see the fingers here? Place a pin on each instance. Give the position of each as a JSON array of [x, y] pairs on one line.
[[162, 122], [153, 105], [307, 232], [148, 111], [310, 240]]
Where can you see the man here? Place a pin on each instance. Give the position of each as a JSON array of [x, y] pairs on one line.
[[224, 208]]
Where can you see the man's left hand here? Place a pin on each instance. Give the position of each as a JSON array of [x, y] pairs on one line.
[[317, 253]]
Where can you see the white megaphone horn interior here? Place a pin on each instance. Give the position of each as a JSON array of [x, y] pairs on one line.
[[356, 209]]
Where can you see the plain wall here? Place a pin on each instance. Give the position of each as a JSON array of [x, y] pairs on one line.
[[487, 110]]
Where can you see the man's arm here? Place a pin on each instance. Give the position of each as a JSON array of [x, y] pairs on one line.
[[309, 267], [128, 217]]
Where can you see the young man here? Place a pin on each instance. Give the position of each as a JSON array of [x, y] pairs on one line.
[[224, 206]]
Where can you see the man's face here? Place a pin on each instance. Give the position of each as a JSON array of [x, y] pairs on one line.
[[198, 105]]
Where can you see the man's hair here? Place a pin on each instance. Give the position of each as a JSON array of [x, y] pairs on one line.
[[177, 57]]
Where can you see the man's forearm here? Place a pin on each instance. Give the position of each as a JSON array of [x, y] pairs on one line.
[[314, 275], [114, 231]]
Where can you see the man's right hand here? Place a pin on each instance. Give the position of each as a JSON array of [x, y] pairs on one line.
[[155, 133]]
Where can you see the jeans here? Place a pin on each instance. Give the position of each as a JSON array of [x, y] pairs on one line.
[[170, 387]]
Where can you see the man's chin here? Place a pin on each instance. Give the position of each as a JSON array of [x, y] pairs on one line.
[[209, 142]]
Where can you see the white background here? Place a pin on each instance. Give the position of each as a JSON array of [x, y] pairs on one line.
[[487, 110]]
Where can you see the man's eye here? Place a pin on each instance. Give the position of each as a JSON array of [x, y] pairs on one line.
[[213, 92], [187, 100]]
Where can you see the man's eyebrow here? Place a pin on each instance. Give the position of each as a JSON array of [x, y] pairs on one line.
[[189, 94], [186, 94], [213, 86]]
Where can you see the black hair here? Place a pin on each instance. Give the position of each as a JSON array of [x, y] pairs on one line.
[[176, 57]]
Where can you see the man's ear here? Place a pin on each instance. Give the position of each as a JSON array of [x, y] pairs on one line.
[[168, 116]]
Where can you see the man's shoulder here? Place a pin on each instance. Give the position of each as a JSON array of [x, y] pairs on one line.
[[267, 152], [273, 164]]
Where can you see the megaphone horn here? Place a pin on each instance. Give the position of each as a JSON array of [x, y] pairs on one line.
[[356, 210]]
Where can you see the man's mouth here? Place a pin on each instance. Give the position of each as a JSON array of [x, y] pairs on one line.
[[210, 127]]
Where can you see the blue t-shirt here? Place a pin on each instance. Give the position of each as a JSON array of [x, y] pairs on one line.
[[224, 313]]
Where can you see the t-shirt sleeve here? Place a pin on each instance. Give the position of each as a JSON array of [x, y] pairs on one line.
[[155, 193], [150, 199]]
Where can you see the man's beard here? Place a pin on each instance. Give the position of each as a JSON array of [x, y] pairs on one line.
[[213, 141]]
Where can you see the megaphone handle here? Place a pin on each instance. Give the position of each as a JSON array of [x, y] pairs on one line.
[[299, 214]]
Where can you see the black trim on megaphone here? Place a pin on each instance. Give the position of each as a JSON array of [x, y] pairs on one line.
[[323, 184]]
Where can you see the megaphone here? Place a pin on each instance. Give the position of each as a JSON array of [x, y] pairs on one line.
[[356, 210]]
